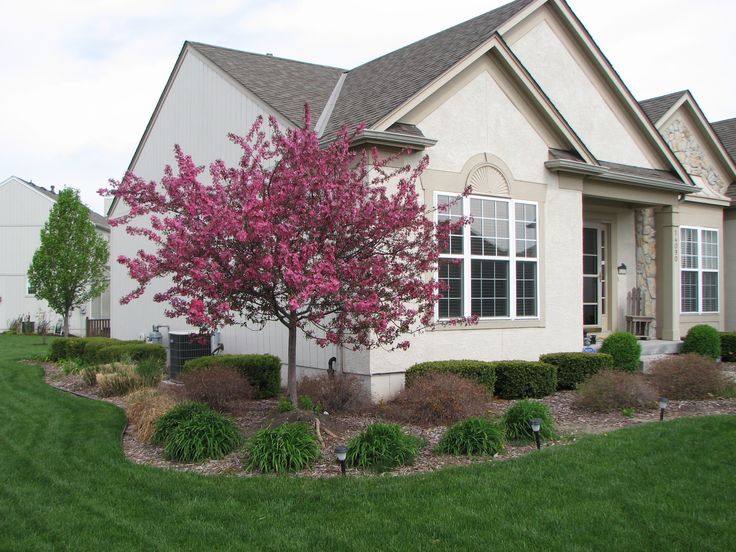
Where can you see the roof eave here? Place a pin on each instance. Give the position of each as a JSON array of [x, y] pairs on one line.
[[613, 176], [389, 139]]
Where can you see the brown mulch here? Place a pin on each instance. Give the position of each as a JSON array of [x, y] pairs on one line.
[[250, 416]]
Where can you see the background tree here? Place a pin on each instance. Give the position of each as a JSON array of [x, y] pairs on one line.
[[328, 241], [70, 266]]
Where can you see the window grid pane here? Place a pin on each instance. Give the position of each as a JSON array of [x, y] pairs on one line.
[[450, 209], [451, 297], [710, 292], [689, 247], [689, 291], [489, 230], [709, 249], [489, 288], [526, 230], [526, 288]]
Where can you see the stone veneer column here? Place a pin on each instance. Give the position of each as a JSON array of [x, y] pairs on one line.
[[668, 272], [646, 265]]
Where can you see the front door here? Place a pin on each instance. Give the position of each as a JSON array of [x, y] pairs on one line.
[[594, 276]]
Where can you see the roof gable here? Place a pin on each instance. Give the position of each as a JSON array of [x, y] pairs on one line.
[[375, 89], [655, 108]]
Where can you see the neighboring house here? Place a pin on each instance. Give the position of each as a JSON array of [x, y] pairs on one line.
[[24, 209], [577, 197]]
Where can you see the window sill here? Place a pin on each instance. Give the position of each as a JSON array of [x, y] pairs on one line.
[[492, 325]]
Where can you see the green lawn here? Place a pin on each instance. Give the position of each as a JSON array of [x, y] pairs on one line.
[[65, 484]]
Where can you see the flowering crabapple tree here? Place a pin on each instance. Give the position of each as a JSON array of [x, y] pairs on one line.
[[329, 241]]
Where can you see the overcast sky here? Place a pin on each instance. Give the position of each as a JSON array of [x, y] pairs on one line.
[[82, 77]]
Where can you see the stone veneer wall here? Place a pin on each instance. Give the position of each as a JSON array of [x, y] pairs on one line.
[[646, 265], [691, 155]]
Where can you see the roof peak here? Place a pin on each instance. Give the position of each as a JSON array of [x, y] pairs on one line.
[[195, 45]]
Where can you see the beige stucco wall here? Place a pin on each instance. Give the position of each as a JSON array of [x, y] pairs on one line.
[[729, 268], [706, 216]]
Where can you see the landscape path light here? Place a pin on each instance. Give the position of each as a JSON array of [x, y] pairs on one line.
[[536, 424], [663, 402], [341, 451]]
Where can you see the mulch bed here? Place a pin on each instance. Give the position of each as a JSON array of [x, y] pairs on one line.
[[250, 416]]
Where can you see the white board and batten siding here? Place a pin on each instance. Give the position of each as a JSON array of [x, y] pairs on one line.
[[199, 109]]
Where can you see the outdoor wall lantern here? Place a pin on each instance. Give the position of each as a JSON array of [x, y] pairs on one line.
[[662, 406], [341, 452], [621, 269], [536, 424]]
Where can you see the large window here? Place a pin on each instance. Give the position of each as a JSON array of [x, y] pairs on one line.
[[490, 267], [699, 273]]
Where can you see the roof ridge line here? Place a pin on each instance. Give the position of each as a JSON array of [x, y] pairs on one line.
[[324, 117], [271, 56]]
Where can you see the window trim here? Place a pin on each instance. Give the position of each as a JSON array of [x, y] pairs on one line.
[[29, 293], [700, 270], [467, 257]]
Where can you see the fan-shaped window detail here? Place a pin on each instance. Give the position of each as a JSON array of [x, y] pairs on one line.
[[489, 180]]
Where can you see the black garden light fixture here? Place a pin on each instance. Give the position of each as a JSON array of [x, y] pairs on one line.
[[536, 424], [341, 451], [662, 407]]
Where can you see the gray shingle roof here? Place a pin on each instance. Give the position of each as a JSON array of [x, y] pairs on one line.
[[656, 107], [373, 90], [726, 131], [97, 219], [283, 84]]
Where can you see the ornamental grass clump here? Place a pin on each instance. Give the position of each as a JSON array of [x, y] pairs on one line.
[[625, 350], [144, 408], [704, 340], [382, 447], [121, 382], [150, 370], [289, 447], [205, 435], [166, 425], [517, 421], [475, 436]]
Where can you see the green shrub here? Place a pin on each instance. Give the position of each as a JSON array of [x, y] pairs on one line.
[[289, 447], [205, 435], [704, 340], [517, 421], [478, 370], [136, 351], [473, 437], [91, 345], [169, 421], [58, 348], [625, 350], [728, 347], [521, 379], [285, 404], [574, 368], [150, 370], [70, 366], [382, 447], [262, 371], [75, 348]]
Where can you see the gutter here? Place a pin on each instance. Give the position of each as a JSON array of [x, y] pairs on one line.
[[393, 139], [610, 175]]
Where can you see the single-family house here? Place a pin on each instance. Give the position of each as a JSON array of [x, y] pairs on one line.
[[24, 209], [579, 196]]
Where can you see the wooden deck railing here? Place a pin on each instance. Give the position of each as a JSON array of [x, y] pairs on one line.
[[98, 327]]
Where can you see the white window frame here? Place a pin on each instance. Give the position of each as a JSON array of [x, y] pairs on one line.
[[512, 258], [28, 289], [700, 270]]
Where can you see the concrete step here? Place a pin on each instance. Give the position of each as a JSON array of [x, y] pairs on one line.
[[660, 347]]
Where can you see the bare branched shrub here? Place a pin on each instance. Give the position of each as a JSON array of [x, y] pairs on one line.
[[611, 390], [144, 408], [336, 393], [689, 377], [438, 398], [216, 386]]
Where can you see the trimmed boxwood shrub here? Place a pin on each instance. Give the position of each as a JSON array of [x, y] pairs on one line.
[[289, 447], [91, 345], [625, 350], [517, 421], [574, 368], [58, 348], [728, 347], [478, 370], [520, 379], [382, 447], [137, 352], [473, 437], [262, 371], [704, 340]]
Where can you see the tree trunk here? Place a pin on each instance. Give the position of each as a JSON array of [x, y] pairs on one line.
[[66, 324], [291, 373]]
